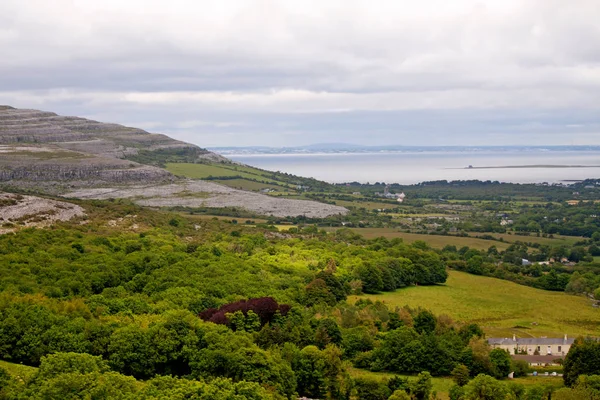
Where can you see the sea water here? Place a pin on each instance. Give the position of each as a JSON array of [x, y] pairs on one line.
[[414, 167]]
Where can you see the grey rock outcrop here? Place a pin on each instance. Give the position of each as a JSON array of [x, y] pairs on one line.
[[80, 134], [43, 147]]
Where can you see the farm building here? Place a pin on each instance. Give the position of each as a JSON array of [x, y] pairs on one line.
[[538, 361], [557, 347]]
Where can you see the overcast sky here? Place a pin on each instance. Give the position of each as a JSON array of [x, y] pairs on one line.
[[284, 73]]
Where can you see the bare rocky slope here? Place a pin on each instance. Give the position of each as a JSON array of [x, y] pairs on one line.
[[18, 211], [78, 157], [194, 193], [39, 148]]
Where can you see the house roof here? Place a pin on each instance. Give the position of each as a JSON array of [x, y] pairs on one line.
[[536, 359], [530, 341]]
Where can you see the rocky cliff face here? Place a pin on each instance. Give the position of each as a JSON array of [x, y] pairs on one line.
[[39, 149], [80, 134]]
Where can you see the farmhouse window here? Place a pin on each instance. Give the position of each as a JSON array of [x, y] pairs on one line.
[[559, 348]]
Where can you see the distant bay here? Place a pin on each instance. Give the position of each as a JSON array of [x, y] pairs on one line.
[[409, 167]]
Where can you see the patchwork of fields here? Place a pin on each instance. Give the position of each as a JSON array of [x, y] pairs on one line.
[[243, 177], [439, 241]]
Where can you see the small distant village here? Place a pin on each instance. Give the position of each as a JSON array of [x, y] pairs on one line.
[[389, 195]]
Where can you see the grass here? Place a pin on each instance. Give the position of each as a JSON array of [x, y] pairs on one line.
[[202, 171], [369, 205], [435, 241], [247, 175], [21, 373], [249, 185], [557, 240], [498, 306], [440, 384], [241, 220], [439, 241]]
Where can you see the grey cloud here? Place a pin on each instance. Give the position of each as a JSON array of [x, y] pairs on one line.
[[285, 72]]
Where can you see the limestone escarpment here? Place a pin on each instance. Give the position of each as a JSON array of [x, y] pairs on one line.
[[38, 148], [80, 134], [24, 211]]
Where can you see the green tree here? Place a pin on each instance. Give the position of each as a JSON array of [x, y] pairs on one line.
[[421, 388], [425, 322], [484, 387], [64, 363], [371, 389], [399, 395], [317, 292], [460, 375], [456, 392], [252, 322], [582, 359], [309, 367], [327, 332], [501, 363], [371, 278]]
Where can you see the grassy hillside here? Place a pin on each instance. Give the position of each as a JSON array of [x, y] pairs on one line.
[[499, 306], [242, 176], [20, 372]]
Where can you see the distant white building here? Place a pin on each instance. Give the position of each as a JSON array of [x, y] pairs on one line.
[[557, 347], [388, 195]]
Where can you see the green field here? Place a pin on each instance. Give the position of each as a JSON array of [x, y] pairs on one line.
[[435, 241], [21, 373], [499, 306], [442, 385], [439, 241], [202, 171], [240, 220], [249, 178], [557, 240], [369, 205], [245, 184]]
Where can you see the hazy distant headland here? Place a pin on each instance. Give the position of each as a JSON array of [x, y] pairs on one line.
[[344, 148]]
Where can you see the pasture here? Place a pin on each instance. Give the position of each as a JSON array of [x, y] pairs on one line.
[[20, 372], [435, 241], [557, 240], [245, 184], [500, 307], [247, 180], [366, 204], [442, 385]]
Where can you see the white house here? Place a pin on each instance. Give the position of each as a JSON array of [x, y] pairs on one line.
[[557, 347]]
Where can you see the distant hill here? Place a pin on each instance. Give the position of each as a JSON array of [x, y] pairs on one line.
[[42, 148], [333, 148]]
